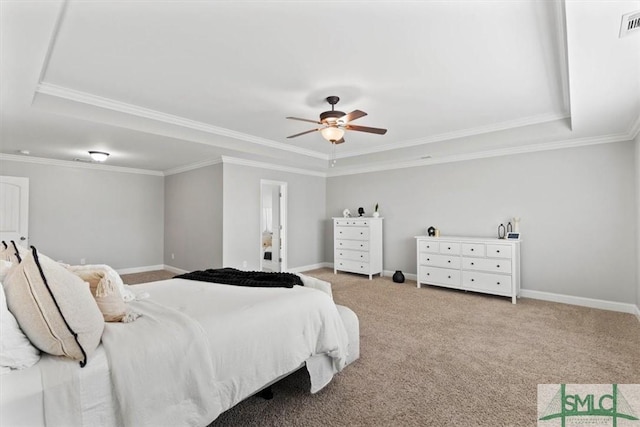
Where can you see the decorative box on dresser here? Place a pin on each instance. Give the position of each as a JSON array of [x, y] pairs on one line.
[[491, 266], [357, 245]]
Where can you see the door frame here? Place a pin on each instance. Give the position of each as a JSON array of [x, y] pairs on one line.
[[23, 184], [283, 221]]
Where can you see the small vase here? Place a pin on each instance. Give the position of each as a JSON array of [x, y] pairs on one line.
[[398, 277], [376, 214]]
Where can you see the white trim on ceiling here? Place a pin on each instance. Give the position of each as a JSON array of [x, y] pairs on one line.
[[563, 55], [135, 110], [80, 165], [556, 145], [271, 166], [635, 129], [192, 166], [496, 127]]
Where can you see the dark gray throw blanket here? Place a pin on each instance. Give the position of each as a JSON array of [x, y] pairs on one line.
[[232, 276]]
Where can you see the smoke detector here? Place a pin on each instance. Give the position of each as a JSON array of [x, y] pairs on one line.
[[630, 23]]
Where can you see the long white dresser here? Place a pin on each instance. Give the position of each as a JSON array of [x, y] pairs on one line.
[[357, 245], [491, 266]]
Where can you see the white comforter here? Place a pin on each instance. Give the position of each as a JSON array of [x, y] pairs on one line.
[[234, 341]]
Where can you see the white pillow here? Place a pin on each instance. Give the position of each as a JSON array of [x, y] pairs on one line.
[[16, 351], [313, 283], [110, 274], [5, 266]]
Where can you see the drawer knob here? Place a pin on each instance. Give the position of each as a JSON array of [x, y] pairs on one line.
[[498, 283], [428, 274], [448, 277], [449, 248], [449, 261], [498, 266], [498, 251], [471, 249], [473, 263], [473, 280], [428, 259]]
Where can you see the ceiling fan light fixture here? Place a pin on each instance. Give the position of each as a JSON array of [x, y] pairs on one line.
[[332, 133], [98, 156]]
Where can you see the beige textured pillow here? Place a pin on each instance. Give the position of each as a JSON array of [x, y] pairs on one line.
[[106, 294], [12, 253], [54, 308]]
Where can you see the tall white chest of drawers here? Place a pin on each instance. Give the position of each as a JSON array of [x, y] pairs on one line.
[[490, 266], [357, 245]]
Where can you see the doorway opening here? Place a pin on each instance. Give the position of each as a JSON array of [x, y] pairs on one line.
[[273, 225]]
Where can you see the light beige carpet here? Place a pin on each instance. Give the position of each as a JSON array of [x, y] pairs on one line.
[[436, 357]]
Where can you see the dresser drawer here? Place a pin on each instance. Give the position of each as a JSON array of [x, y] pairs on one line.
[[352, 233], [487, 264], [352, 244], [442, 276], [450, 248], [494, 283], [440, 260], [473, 249], [352, 266], [431, 247], [347, 222], [344, 254], [499, 251]]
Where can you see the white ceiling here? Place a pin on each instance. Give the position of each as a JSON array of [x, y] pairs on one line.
[[163, 85]]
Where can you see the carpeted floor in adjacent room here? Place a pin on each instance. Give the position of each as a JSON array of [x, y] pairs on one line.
[[437, 357]]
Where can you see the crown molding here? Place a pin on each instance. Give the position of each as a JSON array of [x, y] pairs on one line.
[[547, 146], [135, 110], [635, 129], [193, 166], [271, 166], [496, 127], [78, 165]]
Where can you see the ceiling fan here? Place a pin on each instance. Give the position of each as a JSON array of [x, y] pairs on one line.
[[336, 122]]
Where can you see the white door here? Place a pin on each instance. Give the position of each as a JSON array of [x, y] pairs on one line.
[[14, 210]]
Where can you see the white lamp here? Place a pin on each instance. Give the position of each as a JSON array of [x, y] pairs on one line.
[[98, 156], [332, 133]]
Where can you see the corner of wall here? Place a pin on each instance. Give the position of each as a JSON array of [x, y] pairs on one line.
[[637, 185]]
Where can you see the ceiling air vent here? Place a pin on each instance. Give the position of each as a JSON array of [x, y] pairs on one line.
[[630, 23]]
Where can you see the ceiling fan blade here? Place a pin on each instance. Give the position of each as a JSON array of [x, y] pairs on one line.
[[355, 114], [340, 141], [303, 133], [305, 120], [379, 131]]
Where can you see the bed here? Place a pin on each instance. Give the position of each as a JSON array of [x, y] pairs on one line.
[[197, 350]]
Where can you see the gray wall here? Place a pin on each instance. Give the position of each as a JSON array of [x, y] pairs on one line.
[[577, 207], [306, 215], [105, 217], [193, 219]]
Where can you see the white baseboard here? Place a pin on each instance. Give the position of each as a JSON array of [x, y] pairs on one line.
[[310, 267], [140, 269], [407, 276], [174, 269], [638, 313], [581, 301]]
